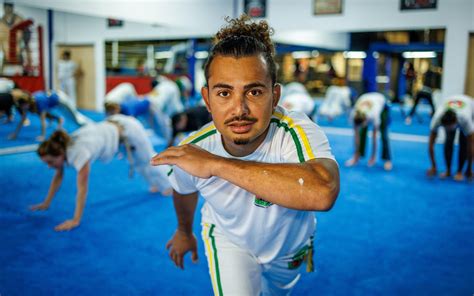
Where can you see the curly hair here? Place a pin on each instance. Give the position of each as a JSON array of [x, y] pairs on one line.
[[243, 38], [55, 145]]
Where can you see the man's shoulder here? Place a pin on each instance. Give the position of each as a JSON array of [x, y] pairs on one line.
[[201, 136]]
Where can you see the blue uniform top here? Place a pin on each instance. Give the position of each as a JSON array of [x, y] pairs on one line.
[[45, 101], [135, 107]]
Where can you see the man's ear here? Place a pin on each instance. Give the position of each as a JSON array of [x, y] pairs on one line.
[[276, 94], [205, 96]]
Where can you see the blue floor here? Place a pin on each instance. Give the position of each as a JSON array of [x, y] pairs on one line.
[[390, 233]]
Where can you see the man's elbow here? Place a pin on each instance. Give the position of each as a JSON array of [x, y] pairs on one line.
[[326, 198]]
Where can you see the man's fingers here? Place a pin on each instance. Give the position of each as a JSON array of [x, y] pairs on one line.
[[168, 244], [194, 256]]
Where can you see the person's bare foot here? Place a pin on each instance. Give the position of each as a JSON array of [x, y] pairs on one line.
[[445, 175], [458, 177], [153, 189], [371, 162], [431, 172], [408, 120], [388, 165], [168, 192], [351, 162]]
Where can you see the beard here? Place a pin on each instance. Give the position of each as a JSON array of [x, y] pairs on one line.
[[241, 141]]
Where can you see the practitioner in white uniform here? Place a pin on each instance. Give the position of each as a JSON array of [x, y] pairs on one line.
[[79, 150], [337, 101], [295, 97], [67, 72], [455, 112], [140, 151], [371, 109], [261, 169], [152, 105], [166, 96]]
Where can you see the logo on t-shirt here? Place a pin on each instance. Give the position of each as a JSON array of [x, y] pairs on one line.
[[259, 202], [456, 104]]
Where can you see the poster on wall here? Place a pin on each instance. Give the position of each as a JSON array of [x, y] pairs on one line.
[[114, 23], [255, 8], [418, 4], [327, 7]]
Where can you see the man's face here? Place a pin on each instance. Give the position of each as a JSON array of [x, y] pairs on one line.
[[241, 99]]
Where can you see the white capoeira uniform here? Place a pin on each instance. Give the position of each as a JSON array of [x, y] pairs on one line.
[[142, 151], [295, 97], [338, 99], [121, 93], [67, 82], [463, 106], [371, 104], [166, 102], [6, 85], [167, 98], [254, 246], [97, 141]]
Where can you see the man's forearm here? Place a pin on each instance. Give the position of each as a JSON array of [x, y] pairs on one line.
[[185, 207], [306, 186]]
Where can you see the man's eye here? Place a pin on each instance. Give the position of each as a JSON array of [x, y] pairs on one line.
[[223, 94], [255, 92]]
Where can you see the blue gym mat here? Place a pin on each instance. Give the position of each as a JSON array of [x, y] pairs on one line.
[[389, 233]]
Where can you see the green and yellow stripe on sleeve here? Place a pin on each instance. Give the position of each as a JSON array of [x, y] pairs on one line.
[[303, 147]]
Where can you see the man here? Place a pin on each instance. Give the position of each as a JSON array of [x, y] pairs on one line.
[[455, 112], [371, 109], [67, 72], [261, 169]]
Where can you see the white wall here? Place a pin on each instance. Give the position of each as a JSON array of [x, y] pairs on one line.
[[40, 17]]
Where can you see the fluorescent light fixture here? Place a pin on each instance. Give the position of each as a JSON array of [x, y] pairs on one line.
[[419, 54], [354, 54], [163, 54], [382, 79], [201, 54], [301, 54]]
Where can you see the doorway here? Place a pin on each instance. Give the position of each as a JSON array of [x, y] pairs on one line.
[[469, 88], [83, 55]]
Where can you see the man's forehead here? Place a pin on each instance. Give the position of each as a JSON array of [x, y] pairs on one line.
[[238, 70]]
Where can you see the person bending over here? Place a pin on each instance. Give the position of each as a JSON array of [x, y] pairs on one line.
[[455, 113]]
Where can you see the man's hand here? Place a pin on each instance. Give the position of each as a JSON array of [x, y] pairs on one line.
[[179, 245], [39, 207], [190, 158], [67, 225]]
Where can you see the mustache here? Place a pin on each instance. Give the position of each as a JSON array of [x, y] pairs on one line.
[[240, 118]]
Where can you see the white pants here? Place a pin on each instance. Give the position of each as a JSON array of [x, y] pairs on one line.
[[234, 271], [68, 85]]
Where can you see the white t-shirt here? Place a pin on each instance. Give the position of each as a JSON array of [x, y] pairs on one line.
[[66, 69], [91, 142], [6, 85], [372, 105], [167, 98], [267, 230], [337, 99], [463, 106], [120, 93], [136, 135]]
